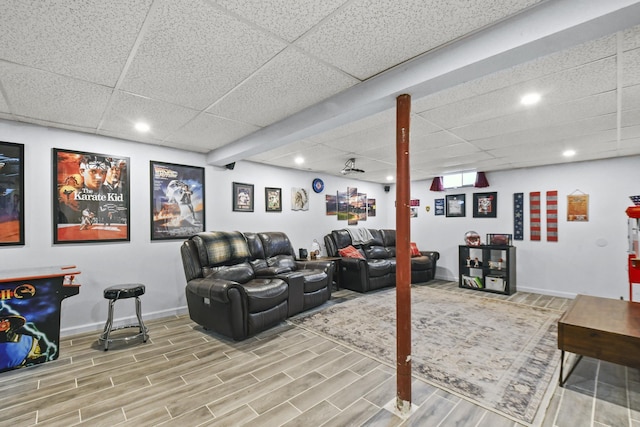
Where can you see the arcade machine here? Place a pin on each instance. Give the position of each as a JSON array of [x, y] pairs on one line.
[[30, 302], [633, 212]]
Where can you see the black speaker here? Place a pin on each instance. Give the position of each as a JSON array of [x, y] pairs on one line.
[[230, 166], [387, 188]]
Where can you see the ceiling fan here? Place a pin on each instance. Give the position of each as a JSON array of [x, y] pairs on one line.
[[350, 167]]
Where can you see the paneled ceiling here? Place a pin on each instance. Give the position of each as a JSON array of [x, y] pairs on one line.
[[271, 80]]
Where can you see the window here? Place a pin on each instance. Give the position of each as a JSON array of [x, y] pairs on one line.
[[462, 179]]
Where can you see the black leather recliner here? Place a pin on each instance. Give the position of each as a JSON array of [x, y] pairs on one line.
[[378, 269], [238, 286]]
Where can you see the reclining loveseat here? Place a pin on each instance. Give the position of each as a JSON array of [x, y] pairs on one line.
[[239, 284], [373, 264]]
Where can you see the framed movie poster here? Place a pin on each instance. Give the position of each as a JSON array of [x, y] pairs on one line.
[[91, 197], [485, 205], [455, 205], [273, 199], [11, 193], [177, 201], [242, 197]]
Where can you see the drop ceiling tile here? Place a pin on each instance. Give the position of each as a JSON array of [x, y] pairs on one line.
[[351, 39], [580, 109], [163, 118], [291, 79], [193, 53], [207, 132], [593, 78], [4, 107], [130, 136], [630, 118], [386, 117], [631, 38], [631, 97], [630, 132], [549, 65], [285, 18], [41, 95], [88, 40], [631, 67], [573, 129]]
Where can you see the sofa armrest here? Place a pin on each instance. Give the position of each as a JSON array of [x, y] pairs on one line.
[[271, 271], [214, 289], [314, 265], [434, 255]]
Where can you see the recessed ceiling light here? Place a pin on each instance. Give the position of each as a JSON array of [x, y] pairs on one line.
[[390, 178], [142, 127], [530, 99], [569, 153], [299, 160]]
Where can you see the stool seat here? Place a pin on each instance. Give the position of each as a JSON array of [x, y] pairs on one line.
[[124, 291], [117, 292]]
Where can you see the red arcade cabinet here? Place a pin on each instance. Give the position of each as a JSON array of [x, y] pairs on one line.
[[30, 302]]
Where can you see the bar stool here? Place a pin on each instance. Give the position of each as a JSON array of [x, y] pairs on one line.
[[117, 292]]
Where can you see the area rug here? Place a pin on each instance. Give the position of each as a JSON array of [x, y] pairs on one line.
[[500, 355]]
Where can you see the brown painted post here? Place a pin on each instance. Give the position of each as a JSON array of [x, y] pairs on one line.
[[403, 255]]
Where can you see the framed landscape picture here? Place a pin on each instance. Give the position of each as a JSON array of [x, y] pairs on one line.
[[91, 197], [455, 205], [177, 201], [242, 197], [485, 205], [273, 199], [11, 194]]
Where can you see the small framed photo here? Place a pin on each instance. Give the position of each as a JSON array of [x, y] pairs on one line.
[[273, 199], [485, 205], [499, 239], [455, 205], [242, 197], [11, 194]]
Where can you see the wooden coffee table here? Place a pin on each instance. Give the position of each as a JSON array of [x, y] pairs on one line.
[[602, 328]]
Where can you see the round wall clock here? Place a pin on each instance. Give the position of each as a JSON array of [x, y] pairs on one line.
[[318, 185]]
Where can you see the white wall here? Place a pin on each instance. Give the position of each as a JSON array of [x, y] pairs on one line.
[[589, 257], [575, 264], [157, 264]]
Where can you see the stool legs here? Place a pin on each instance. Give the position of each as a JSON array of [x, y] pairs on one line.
[[143, 329], [108, 326]]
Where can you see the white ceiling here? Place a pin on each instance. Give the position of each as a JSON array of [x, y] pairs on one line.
[[268, 80]]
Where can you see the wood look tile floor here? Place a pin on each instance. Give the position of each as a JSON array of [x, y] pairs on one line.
[[287, 376]]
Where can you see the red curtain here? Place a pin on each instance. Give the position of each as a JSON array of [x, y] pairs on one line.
[[481, 180], [436, 184]]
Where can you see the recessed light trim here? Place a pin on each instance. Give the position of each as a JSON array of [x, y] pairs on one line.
[[299, 160], [142, 127], [530, 98], [569, 153], [389, 178]]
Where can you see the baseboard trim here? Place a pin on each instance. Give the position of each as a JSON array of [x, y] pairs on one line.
[[98, 326]]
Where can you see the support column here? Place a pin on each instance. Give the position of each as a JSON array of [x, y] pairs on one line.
[[403, 255]]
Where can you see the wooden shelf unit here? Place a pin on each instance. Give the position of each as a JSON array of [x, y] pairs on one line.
[[488, 268]]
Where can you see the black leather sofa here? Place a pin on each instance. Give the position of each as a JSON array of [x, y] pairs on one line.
[[378, 268], [239, 284]]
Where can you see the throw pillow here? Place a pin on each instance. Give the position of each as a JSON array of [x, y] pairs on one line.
[[350, 252], [414, 250]]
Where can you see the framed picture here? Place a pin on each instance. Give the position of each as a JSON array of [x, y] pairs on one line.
[[273, 199], [177, 200], [299, 199], [91, 197], [485, 205], [499, 239], [455, 205], [578, 207], [439, 206], [242, 197], [11, 193]]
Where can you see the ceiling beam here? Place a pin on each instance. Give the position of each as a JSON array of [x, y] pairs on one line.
[[538, 31]]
